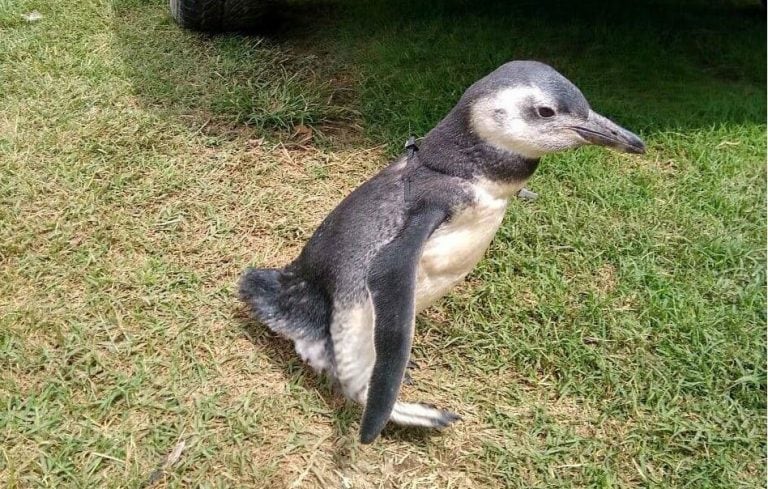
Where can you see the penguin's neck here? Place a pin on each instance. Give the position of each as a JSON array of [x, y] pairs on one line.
[[452, 148]]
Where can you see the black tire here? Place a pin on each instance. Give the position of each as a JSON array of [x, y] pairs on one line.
[[219, 15]]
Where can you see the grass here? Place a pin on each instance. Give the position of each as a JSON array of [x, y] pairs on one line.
[[614, 336]]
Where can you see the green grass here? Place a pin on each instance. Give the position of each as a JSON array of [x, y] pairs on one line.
[[614, 336]]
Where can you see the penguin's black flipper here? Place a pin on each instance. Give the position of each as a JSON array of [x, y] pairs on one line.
[[392, 282]]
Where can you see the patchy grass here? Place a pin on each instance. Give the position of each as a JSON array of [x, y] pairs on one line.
[[613, 337]]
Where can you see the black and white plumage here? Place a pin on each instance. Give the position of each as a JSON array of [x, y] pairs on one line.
[[402, 239]]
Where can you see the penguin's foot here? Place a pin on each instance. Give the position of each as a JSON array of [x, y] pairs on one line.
[[526, 194], [407, 379], [426, 415]]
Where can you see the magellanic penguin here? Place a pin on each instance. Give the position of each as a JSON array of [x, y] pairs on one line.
[[402, 239]]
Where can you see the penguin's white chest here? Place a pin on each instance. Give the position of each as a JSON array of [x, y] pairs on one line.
[[456, 246]]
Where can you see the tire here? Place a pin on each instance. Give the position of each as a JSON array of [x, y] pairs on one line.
[[219, 15]]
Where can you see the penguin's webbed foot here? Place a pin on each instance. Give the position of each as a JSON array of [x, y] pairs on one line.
[[526, 194], [446, 419], [407, 379], [422, 414]]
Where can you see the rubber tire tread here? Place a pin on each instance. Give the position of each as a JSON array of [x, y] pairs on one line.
[[218, 15]]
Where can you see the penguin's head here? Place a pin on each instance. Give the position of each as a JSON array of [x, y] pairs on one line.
[[528, 108]]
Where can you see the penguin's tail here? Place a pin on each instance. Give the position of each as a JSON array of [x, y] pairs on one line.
[[259, 288], [285, 303]]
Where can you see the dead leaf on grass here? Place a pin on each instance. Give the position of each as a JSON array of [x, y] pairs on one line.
[[169, 462], [302, 135]]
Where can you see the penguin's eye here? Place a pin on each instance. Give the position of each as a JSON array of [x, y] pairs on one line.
[[545, 112]]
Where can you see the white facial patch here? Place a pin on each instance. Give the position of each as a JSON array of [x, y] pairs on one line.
[[501, 121]]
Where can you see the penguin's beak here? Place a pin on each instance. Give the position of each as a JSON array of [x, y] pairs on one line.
[[604, 132]]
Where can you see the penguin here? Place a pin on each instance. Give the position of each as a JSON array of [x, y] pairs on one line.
[[402, 239]]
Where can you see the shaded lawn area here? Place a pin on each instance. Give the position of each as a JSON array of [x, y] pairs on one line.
[[613, 336]]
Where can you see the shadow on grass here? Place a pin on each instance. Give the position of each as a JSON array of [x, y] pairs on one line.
[[653, 65], [235, 80]]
